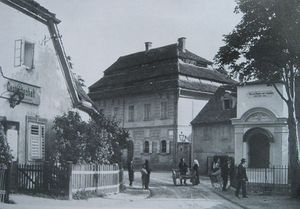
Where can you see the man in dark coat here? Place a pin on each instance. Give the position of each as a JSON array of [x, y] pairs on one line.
[[225, 171], [183, 168], [130, 172], [241, 179]]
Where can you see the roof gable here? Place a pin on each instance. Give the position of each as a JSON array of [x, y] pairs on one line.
[[213, 111]]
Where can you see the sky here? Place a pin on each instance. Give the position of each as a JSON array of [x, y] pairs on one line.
[[97, 32]]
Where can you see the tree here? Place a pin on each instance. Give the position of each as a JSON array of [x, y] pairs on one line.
[[265, 45], [96, 141]]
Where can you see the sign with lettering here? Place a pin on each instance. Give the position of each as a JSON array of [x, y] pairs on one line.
[[31, 92], [260, 93]]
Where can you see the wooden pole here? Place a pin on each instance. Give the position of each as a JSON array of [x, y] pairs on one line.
[[69, 182], [7, 183]]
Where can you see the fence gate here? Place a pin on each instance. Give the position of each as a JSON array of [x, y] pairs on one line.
[[4, 183], [30, 177]]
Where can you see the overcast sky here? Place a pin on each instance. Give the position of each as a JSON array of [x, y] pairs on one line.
[[96, 32]]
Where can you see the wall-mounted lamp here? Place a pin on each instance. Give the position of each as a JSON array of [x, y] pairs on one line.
[[16, 98], [182, 137]]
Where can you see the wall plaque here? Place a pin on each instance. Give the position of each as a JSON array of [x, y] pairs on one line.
[[260, 93]]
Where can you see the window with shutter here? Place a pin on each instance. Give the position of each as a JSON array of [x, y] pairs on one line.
[[168, 150], [146, 147], [28, 55], [131, 113], [147, 110], [150, 147], [37, 141], [163, 110], [163, 146], [18, 53], [24, 54], [142, 147]]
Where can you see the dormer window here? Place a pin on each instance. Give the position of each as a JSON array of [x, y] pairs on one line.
[[227, 104], [24, 54], [227, 101]]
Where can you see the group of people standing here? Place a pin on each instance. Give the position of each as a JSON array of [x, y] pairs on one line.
[[183, 169], [145, 172], [221, 171], [224, 170]]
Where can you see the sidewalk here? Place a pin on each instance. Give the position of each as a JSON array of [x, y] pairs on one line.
[[132, 192], [256, 201]]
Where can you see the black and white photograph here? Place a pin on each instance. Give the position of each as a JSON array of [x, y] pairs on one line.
[[149, 104]]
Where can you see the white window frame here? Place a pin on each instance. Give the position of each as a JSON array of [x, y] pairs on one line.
[[24, 56], [36, 142], [144, 147], [130, 113], [162, 146], [164, 110], [147, 111]]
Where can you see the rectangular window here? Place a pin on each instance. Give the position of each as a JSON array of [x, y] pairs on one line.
[[146, 147], [24, 54], [36, 136], [170, 134], [163, 110], [147, 111], [131, 113], [227, 104], [18, 53]]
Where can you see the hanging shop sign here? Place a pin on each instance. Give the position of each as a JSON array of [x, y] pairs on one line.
[[31, 92], [18, 91]]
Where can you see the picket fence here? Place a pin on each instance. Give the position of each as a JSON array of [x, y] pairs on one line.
[[67, 179], [99, 178]]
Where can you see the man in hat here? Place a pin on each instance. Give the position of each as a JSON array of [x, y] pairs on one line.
[[241, 179]]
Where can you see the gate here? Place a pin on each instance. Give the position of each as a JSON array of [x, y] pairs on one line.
[[43, 178], [4, 183]]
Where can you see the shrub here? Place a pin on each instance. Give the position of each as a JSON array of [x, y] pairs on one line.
[[97, 141], [5, 153]]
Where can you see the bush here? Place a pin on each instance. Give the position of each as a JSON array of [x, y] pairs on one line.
[[97, 141], [5, 153]]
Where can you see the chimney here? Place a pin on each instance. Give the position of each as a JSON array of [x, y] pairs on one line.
[[148, 46], [181, 43]]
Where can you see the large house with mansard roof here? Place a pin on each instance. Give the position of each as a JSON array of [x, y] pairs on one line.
[[155, 94]]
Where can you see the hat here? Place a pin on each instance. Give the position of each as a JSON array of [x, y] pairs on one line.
[[243, 160]]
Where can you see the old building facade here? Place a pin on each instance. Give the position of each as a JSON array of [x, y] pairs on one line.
[[32, 87], [255, 128], [212, 130], [155, 94]]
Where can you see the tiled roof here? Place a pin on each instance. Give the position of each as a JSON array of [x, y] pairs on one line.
[[203, 73], [155, 69], [153, 56], [213, 111]]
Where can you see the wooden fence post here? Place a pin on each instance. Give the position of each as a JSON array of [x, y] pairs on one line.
[[121, 176], [46, 176], [7, 183], [69, 182]]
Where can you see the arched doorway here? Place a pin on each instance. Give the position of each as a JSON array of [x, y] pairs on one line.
[[259, 151], [258, 140]]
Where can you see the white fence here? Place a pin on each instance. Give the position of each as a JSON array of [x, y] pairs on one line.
[[98, 178]]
